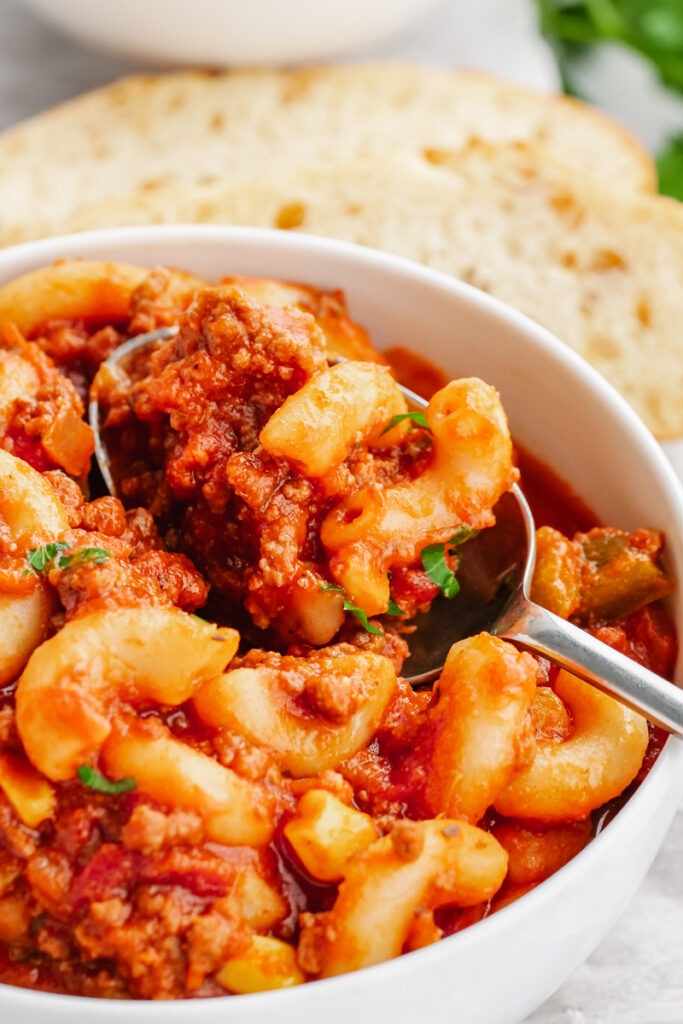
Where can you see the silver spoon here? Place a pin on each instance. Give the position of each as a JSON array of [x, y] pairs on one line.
[[113, 363], [495, 574]]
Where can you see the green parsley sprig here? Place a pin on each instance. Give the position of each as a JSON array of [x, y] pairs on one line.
[[96, 555], [40, 559], [93, 779], [462, 534], [44, 558], [358, 613], [437, 568], [435, 563], [418, 418]]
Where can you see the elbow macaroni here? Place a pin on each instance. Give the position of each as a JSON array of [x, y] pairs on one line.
[[32, 515], [29, 507], [480, 730], [443, 861], [99, 290], [235, 811], [69, 693], [376, 530], [18, 379], [69, 291], [255, 703], [341, 406], [68, 700], [567, 780]]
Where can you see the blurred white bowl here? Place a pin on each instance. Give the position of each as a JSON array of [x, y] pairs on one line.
[[499, 970], [233, 32]]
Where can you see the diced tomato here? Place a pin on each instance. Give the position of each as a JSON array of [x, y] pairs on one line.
[[647, 636], [657, 739], [413, 585], [198, 870], [31, 450], [652, 637], [109, 873]]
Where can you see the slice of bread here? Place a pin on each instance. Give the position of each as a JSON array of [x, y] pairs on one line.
[[601, 269], [193, 127]]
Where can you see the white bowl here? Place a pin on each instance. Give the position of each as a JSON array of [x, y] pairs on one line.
[[499, 970], [235, 32]]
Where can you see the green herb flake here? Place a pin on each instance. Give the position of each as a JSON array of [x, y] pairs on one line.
[[39, 559], [96, 555], [418, 418], [93, 779], [435, 564], [393, 608], [462, 534], [42, 559], [358, 613], [437, 568]]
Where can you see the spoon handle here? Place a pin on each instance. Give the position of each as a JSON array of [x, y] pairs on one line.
[[581, 654]]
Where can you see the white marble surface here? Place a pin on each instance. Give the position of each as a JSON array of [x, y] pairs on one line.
[[636, 974]]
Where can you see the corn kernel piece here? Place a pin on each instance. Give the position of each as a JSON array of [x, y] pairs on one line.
[[327, 833], [261, 905], [269, 964], [30, 794], [14, 917]]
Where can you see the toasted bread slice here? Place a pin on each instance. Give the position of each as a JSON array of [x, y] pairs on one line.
[[192, 127], [602, 269]]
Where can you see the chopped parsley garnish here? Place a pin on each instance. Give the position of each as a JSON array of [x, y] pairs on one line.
[[93, 779], [393, 608], [418, 418], [462, 534], [96, 555], [436, 566], [358, 613], [41, 559]]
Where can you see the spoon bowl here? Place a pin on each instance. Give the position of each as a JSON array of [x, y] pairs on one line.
[[490, 569]]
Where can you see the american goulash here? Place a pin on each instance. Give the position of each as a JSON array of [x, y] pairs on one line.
[[213, 778]]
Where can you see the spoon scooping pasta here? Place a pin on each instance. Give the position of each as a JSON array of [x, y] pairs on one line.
[[493, 597]]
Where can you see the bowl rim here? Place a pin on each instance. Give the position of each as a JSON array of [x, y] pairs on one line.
[[665, 771]]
